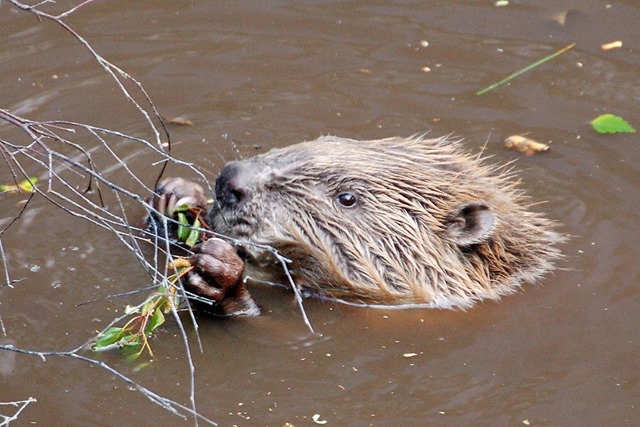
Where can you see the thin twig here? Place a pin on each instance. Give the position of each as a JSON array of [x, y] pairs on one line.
[[20, 404], [170, 405], [48, 148]]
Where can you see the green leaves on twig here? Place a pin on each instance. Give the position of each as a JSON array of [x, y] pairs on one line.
[[148, 317]]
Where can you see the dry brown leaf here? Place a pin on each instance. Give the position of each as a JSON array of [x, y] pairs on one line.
[[525, 145], [181, 121]]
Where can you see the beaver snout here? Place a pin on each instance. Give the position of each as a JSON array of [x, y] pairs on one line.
[[232, 186]]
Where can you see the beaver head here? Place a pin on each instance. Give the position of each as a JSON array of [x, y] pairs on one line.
[[388, 221]]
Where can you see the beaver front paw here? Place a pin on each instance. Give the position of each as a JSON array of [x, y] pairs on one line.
[[172, 196], [217, 275], [171, 193]]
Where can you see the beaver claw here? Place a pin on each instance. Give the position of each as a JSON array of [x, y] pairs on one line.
[[217, 275], [171, 193]]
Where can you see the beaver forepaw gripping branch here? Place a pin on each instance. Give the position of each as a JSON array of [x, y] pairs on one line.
[[392, 221]]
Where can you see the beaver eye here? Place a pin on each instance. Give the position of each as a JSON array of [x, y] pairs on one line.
[[347, 200]]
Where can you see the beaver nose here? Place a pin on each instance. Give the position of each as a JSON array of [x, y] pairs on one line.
[[232, 189]]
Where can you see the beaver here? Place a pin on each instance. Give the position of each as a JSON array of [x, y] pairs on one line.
[[391, 221]]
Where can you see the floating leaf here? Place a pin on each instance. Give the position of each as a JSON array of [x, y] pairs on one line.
[[610, 123], [24, 186], [130, 358], [28, 185]]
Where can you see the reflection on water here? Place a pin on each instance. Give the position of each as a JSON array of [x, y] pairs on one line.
[[278, 72]]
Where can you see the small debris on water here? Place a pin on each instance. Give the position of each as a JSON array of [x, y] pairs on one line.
[[181, 121], [561, 17], [525, 145], [502, 3], [612, 45], [316, 419], [407, 355]]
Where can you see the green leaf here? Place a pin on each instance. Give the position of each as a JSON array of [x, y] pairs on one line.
[[150, 304], [28, 185], [130, 358], [610, 123], [194, 235], [154, 321], [183, 227], [182, 208], [109, 337], [24, 186], [131, 340]]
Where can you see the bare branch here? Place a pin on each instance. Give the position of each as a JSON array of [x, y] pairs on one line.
[[20, 404], [170, 405], [62, 154], [115, 72]]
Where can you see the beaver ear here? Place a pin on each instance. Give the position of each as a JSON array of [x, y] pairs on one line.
[[470, 223]]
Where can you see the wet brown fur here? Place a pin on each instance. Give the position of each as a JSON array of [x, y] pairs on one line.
[[399, 243]]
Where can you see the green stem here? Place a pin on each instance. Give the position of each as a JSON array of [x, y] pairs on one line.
[[525, 69]]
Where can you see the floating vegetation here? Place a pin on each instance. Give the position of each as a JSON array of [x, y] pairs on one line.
[[525, 69], [610, 123], [525, 145]]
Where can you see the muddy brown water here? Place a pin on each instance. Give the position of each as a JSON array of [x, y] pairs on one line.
[[272, 73]]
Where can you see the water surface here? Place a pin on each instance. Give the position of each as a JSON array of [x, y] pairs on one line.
[[272, 73]]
